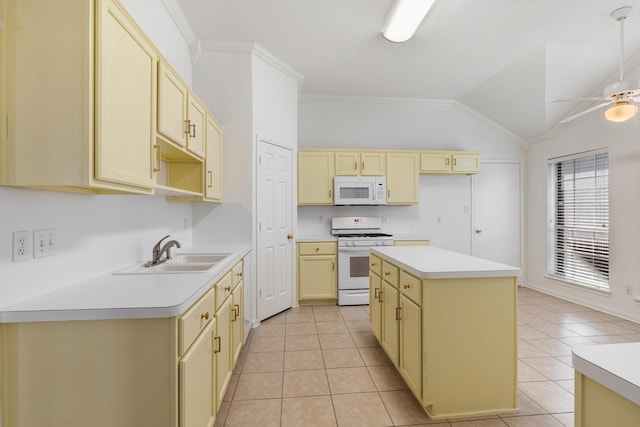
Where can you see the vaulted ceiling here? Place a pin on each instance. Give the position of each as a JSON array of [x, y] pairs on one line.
[[504, 59]]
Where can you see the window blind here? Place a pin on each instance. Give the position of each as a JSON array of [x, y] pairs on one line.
[[578, 239]]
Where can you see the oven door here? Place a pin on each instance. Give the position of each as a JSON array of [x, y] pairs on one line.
[[353, 268]]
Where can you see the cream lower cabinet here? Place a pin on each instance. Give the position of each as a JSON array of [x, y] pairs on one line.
[[402, 178], [222, 349], [123, 372], [317, 274], [375, 302], [197, 381], [435, 331]]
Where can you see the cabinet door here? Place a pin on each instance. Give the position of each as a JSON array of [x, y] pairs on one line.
[[411, 344], [172, 105], [196, 119], [223, 350], [315, 177], [347, 163], [390, 328], [435, 162], [372, 164], [466, 163], [375, 307], [213, 162], [237, 322], [125, 100], [402, 178], [317, 277], [196, 382]]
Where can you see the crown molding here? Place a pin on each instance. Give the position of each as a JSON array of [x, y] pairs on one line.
[[377, 100], [474, 115], [175, 12], [252, 49]]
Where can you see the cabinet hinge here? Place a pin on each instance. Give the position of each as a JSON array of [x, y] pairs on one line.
[[260, 293], [259, 160], [398, 313]]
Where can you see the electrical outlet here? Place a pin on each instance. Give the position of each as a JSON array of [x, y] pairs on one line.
[[44, 242], [21, 245]]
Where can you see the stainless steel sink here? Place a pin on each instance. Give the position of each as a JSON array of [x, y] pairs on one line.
[[180, 263]]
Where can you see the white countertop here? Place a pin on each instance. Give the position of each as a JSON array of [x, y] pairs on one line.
[[615, 366], [118, 296], [317, 238], [428, 262]]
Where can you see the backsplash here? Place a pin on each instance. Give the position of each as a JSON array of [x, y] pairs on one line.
[[94, 235]]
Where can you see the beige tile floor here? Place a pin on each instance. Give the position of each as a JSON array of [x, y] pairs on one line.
[[322, 366]]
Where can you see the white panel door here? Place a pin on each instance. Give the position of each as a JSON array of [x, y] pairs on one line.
[[275, 227], [497, 216]]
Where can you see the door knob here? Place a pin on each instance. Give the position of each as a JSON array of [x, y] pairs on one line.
[[289, 236], [478, 231]]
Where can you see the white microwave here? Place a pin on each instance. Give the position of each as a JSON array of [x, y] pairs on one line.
[[359, 190]]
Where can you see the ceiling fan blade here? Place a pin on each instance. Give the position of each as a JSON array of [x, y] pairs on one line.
[[587, 111], [595, 98]]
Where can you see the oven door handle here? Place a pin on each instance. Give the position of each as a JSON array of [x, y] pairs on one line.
[[354, 249]]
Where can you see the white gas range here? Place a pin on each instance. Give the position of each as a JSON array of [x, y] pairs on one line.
[[356, 234]]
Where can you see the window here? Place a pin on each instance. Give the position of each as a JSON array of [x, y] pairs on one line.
[[578, 235]]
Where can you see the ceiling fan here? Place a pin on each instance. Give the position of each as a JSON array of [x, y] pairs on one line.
[[623, 94]]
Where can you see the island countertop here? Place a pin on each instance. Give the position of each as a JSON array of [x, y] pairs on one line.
[[428, 262], [615, 366]]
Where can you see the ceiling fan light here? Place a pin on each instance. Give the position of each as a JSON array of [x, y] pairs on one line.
[[621, 112], [405, 18]]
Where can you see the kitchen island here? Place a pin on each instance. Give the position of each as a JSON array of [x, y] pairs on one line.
[[607, 385], [448, 323]]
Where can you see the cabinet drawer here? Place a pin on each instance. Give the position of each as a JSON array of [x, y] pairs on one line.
[[195, 320], [223, 289], [390, 273], [411, 287], [236, 272], [375, 264], [317, 248]]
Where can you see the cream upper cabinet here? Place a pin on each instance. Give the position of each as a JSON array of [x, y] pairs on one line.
[[86, 121], [172, 105], [445, 162], [402, 178], [359, 163], [213, 161], [125, 100], [181, 116], [197, 117], [315, 177]]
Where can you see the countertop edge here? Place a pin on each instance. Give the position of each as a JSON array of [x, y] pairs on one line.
[[604, 377]]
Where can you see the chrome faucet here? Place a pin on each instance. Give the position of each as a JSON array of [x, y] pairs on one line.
[[159, 250]]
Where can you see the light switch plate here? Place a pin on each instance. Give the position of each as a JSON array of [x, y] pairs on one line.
[[44, 242]]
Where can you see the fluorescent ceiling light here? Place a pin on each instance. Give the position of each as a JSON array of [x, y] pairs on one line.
[[621, 112], [405, 18]]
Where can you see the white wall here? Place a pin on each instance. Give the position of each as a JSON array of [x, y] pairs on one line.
[[587, 133], [370, 123], [95, 234], [159, 25]]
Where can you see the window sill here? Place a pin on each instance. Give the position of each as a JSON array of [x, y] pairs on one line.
[[576, 285]]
